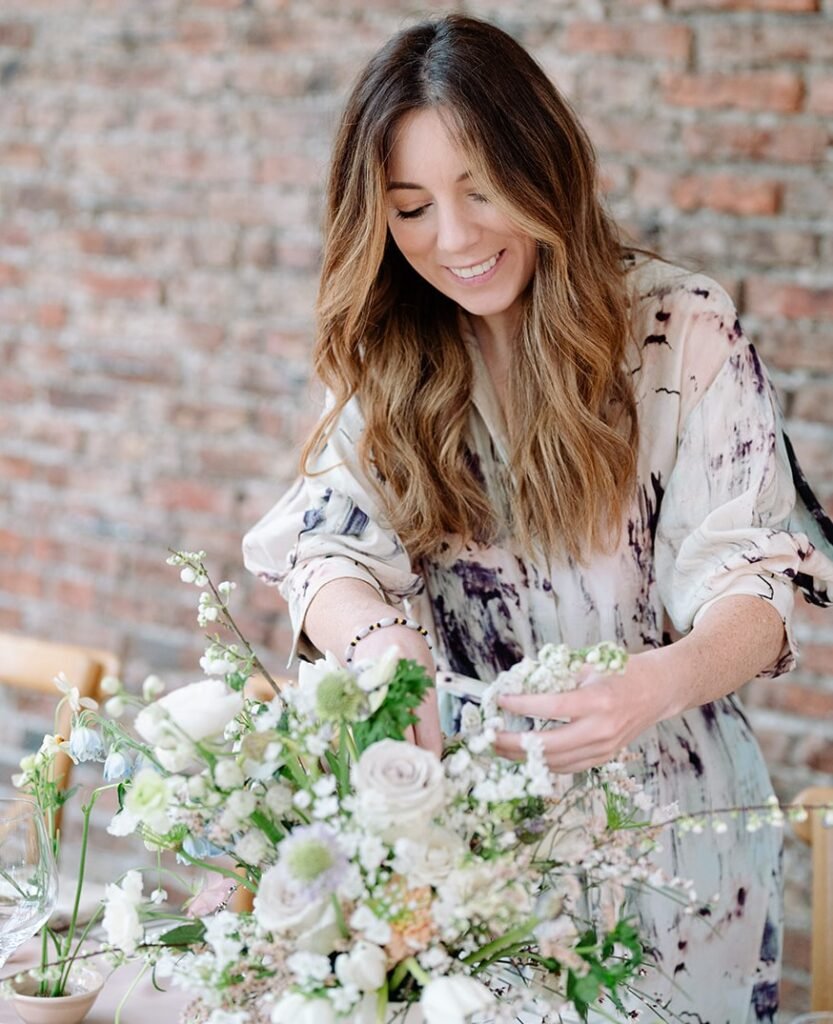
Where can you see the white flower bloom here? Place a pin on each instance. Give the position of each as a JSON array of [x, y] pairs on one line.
[[152, 688], [282, 908], [200, 711], [158, 895], [123, 823], [115, 707], [228, 774], [227, 1016], [279, 799], [309, 967], [372, 928], [429, 860], [452, 1000], [295, 1008], [400, 787], [365, 966], [147, 800], [377, 673], [220, 932], [74, 698], [121, 917], [110, 685], [252, 847]]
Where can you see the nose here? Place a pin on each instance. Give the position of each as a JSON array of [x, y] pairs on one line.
[[457, 232]]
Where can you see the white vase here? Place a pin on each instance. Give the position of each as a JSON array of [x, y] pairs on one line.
[[82, 991]]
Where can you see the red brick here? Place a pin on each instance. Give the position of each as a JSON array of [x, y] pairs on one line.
[[763, 90], [635, 39], [722, 44], [11, 619], [820, 96], [189, 496], [11, 543], [794, 346], [16, 34], [22, 583], [727, 194], [16, 468], [51, 316], [771, 298], [818, 658], [814, 401], [790, 142], [108, 286], [786, 6], [10, 275], [804, 701]]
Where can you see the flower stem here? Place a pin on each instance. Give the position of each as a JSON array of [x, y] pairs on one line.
[[416, 972], [128, 993]]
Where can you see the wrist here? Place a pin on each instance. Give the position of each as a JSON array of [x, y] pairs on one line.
[[378, 635]]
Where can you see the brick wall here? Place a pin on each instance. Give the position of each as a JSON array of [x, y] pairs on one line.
[[161, 168]]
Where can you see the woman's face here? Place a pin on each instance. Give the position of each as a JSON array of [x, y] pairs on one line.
[[447, 230]]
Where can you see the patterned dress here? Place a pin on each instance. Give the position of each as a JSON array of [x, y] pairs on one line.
[[721, 508]]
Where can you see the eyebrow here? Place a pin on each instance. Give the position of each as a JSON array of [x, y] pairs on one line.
[[409, 184]]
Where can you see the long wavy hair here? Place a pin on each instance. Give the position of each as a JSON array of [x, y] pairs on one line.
[[389, 338]]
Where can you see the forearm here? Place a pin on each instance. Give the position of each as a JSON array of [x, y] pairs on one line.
[[736, 639], [343, 607]]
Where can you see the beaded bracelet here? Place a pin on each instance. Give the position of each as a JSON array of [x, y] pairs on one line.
[[393, 620]]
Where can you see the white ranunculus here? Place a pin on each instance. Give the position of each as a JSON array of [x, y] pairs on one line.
[[295, 1008], [365, 966], [281, 908], [121, 916], [376, 672], [399, 787], [431, 858], [147, 799], [453, 999], [200, 710], [323, 934]]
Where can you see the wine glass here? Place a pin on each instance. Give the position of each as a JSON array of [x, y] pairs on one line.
[[28, 877]]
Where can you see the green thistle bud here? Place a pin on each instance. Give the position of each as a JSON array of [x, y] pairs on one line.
[[338, 698]]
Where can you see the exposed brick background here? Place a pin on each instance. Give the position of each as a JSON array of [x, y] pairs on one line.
[[161, 170]]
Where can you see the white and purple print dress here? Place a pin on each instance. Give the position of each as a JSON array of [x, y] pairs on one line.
[[721, 508]]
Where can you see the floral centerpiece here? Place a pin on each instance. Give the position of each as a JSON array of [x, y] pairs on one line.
[[382, 876]]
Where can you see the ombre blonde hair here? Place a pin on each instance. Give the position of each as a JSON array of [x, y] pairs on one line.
[[389, 338]]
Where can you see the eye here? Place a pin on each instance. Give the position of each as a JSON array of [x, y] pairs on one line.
[[478, 197], [411, 214]]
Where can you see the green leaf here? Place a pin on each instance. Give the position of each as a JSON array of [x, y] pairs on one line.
[[396, 712], [184, 935]]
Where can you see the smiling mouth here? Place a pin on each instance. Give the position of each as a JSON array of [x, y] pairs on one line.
[[477, 269]]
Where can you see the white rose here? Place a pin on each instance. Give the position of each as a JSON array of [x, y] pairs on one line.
[[428, 860], [365, 966], [121, 917], [453, 999], [200, 710], [295, 1008], [399, 786], [283, 909]]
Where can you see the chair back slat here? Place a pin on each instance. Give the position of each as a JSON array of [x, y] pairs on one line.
[[818, 800], [31, 665]]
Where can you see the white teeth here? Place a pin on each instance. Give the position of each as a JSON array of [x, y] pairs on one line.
[[475, 271]]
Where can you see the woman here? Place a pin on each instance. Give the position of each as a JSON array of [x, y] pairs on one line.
[[535, 436]]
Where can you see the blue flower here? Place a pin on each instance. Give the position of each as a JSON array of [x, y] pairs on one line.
[[199, 848], [85, 745], [117, 767]]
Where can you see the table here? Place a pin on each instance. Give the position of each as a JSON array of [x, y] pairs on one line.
[[145, 1002]]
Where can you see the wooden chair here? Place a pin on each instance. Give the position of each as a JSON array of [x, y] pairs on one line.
[[819, 800], [31, 665]]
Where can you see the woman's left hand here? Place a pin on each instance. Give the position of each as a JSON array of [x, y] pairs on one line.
[[602, 716]]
